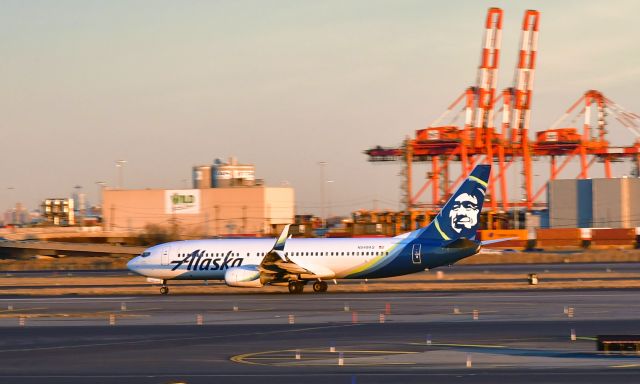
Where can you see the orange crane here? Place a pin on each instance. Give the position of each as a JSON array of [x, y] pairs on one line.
[[516, 109], [591, 145], [446, 143], [442, 143]]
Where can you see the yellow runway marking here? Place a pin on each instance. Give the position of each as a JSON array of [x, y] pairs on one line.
[[625, 366], [287, 359], [15, 310], [459, 345], [129, 310], [345, 363]]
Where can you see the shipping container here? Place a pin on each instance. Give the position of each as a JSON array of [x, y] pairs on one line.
[[558, 243], [520, 235], [559, 234], [614, 234], [559, 238], [613, 243]]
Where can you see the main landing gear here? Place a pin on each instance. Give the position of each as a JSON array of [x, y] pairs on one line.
[[298, 286], [164, 290], [320, 286]]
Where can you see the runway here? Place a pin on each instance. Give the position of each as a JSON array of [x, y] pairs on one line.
[[457, 269], [458, 278], [521, 336]]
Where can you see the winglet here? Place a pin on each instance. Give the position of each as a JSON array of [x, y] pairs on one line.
[[279, 245]]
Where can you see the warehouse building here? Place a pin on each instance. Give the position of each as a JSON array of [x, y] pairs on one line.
[[232, 205], [594, 203]]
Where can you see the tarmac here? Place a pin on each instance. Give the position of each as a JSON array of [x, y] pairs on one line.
[[456, 278], [478, 337]]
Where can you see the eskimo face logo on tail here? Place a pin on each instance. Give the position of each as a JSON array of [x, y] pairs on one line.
[[464, 213]]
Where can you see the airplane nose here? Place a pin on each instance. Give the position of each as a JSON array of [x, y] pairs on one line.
[[133, 264]]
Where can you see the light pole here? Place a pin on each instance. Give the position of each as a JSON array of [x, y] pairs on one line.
[[329, 214], [101, 185], [323, 165], [120, 165], [11, 194]]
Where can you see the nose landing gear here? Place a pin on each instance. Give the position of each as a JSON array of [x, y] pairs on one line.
[[164, 290]]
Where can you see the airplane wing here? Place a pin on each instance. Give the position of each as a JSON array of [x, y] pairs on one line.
[[276, 262]]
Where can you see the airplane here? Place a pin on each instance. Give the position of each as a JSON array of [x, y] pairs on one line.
[[294, 262]]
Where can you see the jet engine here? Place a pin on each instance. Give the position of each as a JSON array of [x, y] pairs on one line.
[[247, 276]]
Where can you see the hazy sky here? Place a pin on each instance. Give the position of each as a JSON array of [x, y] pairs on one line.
[[281, 84]]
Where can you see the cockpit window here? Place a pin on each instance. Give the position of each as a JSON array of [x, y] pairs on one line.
[[145, 254]]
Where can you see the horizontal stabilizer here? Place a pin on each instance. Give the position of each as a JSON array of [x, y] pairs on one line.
[[494, 241], [460, 243]]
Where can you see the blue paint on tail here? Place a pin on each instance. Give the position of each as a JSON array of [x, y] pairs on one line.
[[460, 216]]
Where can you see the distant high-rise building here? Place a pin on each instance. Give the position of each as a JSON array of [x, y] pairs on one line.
[[59, 211], [224, 175], [17, 216]]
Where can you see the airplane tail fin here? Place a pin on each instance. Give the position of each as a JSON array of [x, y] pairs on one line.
[[460, 216]]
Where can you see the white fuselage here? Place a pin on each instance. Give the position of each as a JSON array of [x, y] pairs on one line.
[[209, 259]]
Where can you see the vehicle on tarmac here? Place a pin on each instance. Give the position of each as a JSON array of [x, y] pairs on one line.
[[294, 262]]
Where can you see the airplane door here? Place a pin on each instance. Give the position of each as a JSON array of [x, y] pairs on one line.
[[164, 257], [415, 254]]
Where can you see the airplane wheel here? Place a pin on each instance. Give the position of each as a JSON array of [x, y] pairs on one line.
[[320, 286], [296, 286], [164, 290]]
